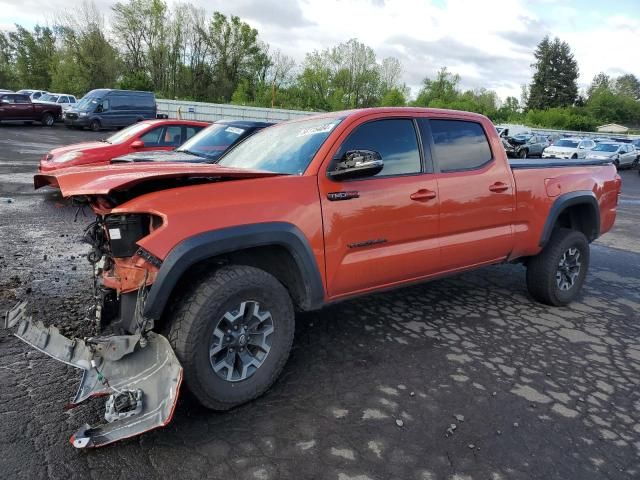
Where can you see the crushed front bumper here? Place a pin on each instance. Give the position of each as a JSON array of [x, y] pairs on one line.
[[139, 373]]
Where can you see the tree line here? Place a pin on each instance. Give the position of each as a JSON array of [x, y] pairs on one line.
[[181, 52]]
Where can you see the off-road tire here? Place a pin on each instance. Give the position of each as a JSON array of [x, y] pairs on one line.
[[194, 320], [542, 269], [48, 120], [94, 126]]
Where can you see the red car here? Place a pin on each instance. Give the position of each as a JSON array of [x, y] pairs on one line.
[[139, 137]]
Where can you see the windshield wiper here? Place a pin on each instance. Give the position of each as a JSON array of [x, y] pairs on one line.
[[191, 153]]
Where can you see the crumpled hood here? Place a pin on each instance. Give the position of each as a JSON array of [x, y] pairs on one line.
[[160, 156], [110, 178]]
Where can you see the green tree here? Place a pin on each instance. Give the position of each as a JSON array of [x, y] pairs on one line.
[[34, 53], [393, 98], [600, 81], [86, 59], [443, 89], [555, 77], [628, 85], [7, 71]]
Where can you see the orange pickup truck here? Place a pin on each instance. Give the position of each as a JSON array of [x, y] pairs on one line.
[[218, 258]]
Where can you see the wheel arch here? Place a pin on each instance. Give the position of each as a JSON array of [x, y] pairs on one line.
[[577, 210], [276, 247]]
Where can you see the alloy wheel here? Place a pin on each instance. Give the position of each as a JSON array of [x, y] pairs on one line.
[[241, 341], [568, 269]]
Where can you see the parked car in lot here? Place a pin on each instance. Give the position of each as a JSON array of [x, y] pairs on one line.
[[205, 147], [621, 154], [525, 145], [107, 108], [296, 217], [553, 138], [3, 90], [143, 136], [18, 107], [64, 100], [569, 148], [33, 94]]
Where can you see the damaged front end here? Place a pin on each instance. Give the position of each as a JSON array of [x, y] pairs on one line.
[[134, 367]]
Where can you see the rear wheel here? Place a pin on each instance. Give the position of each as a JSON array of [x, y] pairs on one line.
[[555, 276], [48, 120], [94, 125], [233, 333]]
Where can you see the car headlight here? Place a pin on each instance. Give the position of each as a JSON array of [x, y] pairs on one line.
[[66, 157]]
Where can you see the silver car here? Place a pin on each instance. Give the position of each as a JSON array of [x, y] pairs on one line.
[[621, 154]]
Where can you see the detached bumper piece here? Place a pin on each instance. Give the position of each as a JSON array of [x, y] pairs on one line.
[[140, 375]]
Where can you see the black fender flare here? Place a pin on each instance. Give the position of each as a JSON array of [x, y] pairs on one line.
[[579, 197], [218, 242]]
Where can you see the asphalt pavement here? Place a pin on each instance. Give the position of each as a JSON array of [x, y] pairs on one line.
[[462, 378]]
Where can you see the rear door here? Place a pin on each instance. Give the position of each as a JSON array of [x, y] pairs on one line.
[[477, 195], [629, 154], [380, 230]]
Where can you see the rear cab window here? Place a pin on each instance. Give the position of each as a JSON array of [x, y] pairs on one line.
[[458, 145]]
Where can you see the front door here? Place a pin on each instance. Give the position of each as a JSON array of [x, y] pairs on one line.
[[380, 230], [477, 195]]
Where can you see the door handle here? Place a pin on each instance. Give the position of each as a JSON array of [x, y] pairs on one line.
[[499, 187], [423, 195]]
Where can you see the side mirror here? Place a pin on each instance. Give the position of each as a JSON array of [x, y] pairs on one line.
[[357, 164], [137, 144]]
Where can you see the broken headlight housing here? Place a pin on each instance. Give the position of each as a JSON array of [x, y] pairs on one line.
[[125, 230]]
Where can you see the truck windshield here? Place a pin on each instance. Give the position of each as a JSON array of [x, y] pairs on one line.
[[212, 141], [285, 148]]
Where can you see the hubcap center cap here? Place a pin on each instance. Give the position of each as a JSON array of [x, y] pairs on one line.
[[242, 340]]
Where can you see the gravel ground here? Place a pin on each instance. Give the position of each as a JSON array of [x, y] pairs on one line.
[[463, 378]]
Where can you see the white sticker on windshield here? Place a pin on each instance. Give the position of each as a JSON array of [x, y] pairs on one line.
[[327, 127], [237, 131]]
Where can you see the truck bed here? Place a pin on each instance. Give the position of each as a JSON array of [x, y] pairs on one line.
[[517, 163]]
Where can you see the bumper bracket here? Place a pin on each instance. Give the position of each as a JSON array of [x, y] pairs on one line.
[[141, 370]]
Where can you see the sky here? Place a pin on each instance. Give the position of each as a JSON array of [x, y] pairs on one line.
[[489, 43]]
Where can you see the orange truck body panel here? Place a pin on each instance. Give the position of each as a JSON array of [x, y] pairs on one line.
[[465, 226]]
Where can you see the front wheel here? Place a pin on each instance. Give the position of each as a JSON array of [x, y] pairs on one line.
[[94, 125], [48, 120], [233, 333], [522, 153], [555, 276]]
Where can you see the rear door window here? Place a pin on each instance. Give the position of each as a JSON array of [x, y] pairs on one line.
[[171, 136], [459, 145]]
